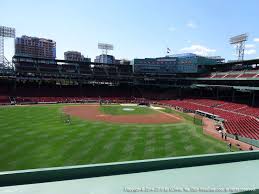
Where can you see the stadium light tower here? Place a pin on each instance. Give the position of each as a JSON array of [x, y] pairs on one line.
[[5, 32], [239, 41], [105, 47]]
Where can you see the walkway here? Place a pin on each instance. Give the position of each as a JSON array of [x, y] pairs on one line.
[[209, 128]]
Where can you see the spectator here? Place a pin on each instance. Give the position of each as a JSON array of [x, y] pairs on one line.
[[221, 133], [229, 145], [236, 136]]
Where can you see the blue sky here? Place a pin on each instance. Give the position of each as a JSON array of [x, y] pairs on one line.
[[136, 28]]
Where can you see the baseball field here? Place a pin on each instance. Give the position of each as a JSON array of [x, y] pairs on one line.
[[38, 136]]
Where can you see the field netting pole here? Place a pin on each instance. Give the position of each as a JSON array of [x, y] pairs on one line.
[[197, 119]]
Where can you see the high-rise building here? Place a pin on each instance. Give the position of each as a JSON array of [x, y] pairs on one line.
[[27, 46], [180, 63], [75, 56], [108, 59]]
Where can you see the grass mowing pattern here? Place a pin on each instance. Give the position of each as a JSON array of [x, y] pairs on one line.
[[119, 110], [37, 137]]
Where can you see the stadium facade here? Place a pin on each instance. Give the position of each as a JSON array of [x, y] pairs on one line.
[[75, 56], [182, 63], [163, 65], [122, 61]]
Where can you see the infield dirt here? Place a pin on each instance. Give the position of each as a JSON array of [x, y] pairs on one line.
[[92, 113]]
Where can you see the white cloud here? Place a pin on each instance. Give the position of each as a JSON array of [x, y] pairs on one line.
[[171, 29], [256, 39], [191, 24], [250, 52], [249, 46], [198, 50]]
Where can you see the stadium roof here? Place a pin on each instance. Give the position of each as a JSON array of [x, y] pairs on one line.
[[232, 172], [241, 88], [244, 62], [183, 55]]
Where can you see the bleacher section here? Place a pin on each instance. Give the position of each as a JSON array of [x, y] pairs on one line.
[[217, 76], [231, 76], [234, 74], [239, 119], [247, 127], [250, 75]]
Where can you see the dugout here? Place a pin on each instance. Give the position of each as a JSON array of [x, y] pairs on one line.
[[209, 115]]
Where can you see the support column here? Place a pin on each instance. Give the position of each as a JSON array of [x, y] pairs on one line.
[[13, 90], [1, 50], [217, 93], [80, 88], [253, 98], [233, 95], [201, 92], [39, 88], [180, 92]]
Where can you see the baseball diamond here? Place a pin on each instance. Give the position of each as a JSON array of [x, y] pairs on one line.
[[38, 136], [108, 97]]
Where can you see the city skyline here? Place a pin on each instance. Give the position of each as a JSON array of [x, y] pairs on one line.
[[137, 29]]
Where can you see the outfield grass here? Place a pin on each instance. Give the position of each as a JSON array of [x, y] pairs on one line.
[[37, 137], [120, 110]]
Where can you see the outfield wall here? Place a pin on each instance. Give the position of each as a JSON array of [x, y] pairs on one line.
[[246, 140], [21, 177]]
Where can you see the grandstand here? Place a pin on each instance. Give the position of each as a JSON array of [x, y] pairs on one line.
[[235, 74]]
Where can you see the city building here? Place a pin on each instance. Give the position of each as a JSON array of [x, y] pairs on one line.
[[108, 59], [122, 61], [192, 63], [163, 65], [179, 63], [75, 56], [27, 46], [218, 59]]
